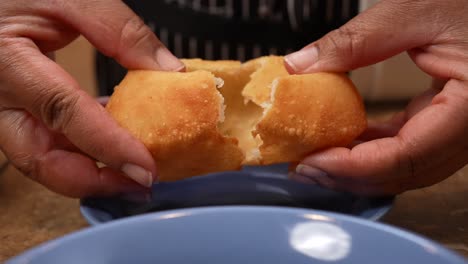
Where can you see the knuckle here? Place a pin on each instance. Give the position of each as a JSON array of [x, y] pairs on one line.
[[368, 162], [412, 163], [345, 41], [405, 165], [25, 163], [58, 108], [134, 33], [10, 52]]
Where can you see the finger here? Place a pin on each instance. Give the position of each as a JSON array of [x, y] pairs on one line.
[[441, 62], [34, 150], [368, 38], [75, 175], [391, 127], [394, 186], [357, 187], [427, 141], [301, 178], [51, 95], [116, 31]]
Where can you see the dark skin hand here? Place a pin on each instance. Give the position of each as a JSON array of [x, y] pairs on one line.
[[52, 130], [428, 141]]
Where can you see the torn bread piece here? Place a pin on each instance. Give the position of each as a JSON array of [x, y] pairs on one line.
[[309, 113], [264, 71], [176, 116], [241, 116], [268, 116]]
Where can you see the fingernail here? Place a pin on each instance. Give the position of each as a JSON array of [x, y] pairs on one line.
[[310, 172], [167, 61], [301, 178], [138, 174], [303, 59]]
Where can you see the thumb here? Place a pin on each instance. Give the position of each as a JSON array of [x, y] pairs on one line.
[[381, 32], [115, 30]]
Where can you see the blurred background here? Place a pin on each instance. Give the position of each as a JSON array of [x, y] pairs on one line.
[[393, 81]]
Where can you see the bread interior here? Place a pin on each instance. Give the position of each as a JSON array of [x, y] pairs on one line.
[[246, 91], [242, 114], [239, 122]]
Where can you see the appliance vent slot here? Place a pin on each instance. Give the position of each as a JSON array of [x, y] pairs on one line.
[[232, 29]]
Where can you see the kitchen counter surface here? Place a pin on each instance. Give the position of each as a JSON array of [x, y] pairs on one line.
[[30, 214]]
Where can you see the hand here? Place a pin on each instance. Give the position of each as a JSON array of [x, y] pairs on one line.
[[427, 142], [52, 130]]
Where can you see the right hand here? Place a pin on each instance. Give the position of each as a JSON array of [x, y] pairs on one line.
[[52, 130], [427, 142]]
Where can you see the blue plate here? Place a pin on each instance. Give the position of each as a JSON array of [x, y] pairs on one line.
[[240, 234], [255, 185]]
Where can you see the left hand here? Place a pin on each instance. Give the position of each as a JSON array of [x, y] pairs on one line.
[[50, 129]]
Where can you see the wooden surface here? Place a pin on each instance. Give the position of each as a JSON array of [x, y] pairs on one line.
[[29, 214], [439, 212]]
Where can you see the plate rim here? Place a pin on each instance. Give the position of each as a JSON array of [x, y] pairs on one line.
[[399, 232], [378, 206], [88, 213]]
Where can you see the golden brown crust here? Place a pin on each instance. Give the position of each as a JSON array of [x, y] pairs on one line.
[[177, 115], [310, 112]]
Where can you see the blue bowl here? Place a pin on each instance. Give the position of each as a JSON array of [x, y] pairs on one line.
[[254, 185], [240, 234]]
